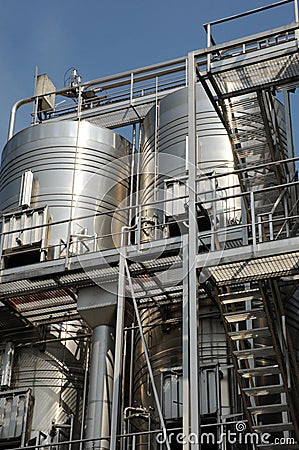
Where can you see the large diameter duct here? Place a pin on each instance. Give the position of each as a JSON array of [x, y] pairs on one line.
[[97, 306], [78, 171], [100, 386]]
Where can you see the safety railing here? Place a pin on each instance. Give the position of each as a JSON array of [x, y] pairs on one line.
[[85, 99], [210, 434], [226, 218], [208, 26]]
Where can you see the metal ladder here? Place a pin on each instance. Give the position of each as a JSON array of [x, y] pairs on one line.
[[261, 361]]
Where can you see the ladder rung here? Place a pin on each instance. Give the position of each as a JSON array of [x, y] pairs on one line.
[[275, 427], [249, 334], [268, 409], [254, 352], [244, 315], [259, 371], [264, 390]]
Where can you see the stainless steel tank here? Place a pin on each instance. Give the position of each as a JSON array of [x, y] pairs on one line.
[[79, 171], [163, 334], [164, 155], [54, 372]]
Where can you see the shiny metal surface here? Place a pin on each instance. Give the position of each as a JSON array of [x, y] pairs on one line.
[[164, 340], [164, 152], [77, 172], [54, 374]]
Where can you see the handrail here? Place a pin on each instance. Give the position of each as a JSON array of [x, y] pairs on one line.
[[208, 26]]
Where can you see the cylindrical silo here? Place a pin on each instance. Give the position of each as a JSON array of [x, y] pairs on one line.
[[79, 171], [54, 373], [164, 157], [163, 334]]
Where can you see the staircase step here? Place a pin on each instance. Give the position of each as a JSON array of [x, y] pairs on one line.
[[249, 334], [254, 352], [238, 316], [242, 296], [264, 390], [273, 428], [259, 371], [268, 409]]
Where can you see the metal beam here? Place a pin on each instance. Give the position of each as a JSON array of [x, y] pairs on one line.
[[193, 247], [120, 316], [185, 343]]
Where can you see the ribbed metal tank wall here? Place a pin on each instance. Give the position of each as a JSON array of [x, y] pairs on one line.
[[164, 341], [164, 149], [55, 374], [78, 171]]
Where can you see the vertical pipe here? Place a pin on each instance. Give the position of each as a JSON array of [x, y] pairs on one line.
[[120, 318], [185, 343], [122, 407], [100, 380], [131, 366], [193, 248]]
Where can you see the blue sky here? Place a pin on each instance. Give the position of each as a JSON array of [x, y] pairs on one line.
[[101, 37]]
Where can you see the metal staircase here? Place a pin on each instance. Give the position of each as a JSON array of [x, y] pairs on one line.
[[255, 331]]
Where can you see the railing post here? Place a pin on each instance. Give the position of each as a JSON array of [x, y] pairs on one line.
[[286, 215], [271, 227], [79, 102], [260, 228], [209, 45], [252, 211], [132, 88]]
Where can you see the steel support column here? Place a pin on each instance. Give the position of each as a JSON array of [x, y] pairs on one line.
[[120, 317], [193, 247], [185, 343]]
